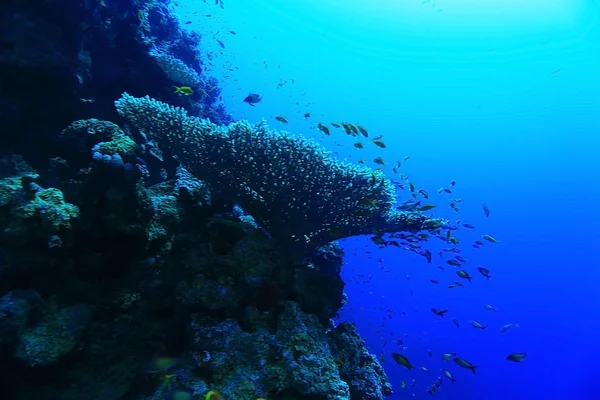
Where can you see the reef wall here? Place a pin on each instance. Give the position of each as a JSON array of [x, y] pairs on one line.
[[125, 272]]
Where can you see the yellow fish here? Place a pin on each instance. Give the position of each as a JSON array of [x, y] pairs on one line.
[[213, 395], [184, 90]]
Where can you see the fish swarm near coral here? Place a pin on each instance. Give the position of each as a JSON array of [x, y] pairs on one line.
[[290, 185]]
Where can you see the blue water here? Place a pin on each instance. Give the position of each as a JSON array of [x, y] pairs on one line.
[[504, 98]]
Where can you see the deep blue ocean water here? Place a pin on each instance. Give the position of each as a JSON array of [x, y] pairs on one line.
[[501, 96]]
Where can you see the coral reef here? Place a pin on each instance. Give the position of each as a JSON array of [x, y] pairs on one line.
[[155, 263], [290, 185], [165, 269]]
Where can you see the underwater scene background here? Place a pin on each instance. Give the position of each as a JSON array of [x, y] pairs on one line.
[[316, 200]]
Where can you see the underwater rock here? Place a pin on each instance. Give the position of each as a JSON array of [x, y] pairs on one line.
[[14, 316], [54, 336], [360, 369], [30, 212], [101, 141], [293, 362]]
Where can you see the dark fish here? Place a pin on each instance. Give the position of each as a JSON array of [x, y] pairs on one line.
[[464, 274], [188, 22], [508, 326], [454, 263], [252, 99], [486, 210], [484, 271], [449, 375], [427, 255], [516, 357], [400, 359], [439, 313], [232, 32], [477, 324], [461, 362], [221, 43]]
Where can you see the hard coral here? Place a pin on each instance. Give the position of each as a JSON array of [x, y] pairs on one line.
[[289, 184]]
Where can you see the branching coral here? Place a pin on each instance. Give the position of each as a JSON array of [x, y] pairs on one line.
[[294, 188]]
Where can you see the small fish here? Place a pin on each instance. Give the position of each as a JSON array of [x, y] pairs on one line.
[[379, 143], [406, 158], [221, 44], [448, 356], [433, 281], [461, 362], [379, 161], [369, 203], [464, 274], [468, 226], [213, 395], [490, 238], [373, 178], [306, 115], [477, 324], [184, 90], [402, 384], [427, 207], [412, 186], [516, 357], [162, 364], [232, 32], [459, 284], [489, 307], [323, 128], [363, 131], [336, 125], [359, 145], [252, 99], [188, 22], [508, 326], [439, 313], [428, 256], [486, 210], [403, 361], [484, 271], [430, 353], [452, 183], [448, 375], [455, 322], [409, 205], [424, 193], [424, 369], [454, 263], [281, 119]]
